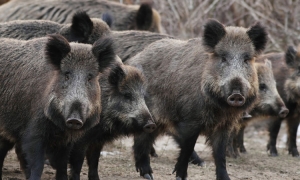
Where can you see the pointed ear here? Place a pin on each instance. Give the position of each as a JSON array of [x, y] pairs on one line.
[[103, 50], [290, 56], [116, 75], [106, 17], [57, 48], [259, 36], [144, 17], [214, 31], [81, 28], [268, 63]]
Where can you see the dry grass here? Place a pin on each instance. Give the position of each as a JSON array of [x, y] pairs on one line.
[[185, 18]]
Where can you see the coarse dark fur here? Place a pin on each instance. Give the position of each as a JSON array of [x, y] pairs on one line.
[[83, 29], [46, 85], [124, 17], [286, 69], [132, 42], [124, 113], [189, 83], [269, 103]]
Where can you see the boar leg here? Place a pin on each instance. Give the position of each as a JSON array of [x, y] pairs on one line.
[[195, 159], [92, 156], [58, 157], [142, 147], [22, 160], [218, 141], [153, 152], [5, 146], [186, 144], [240, 140], [33, 147], [231, 149], [76, 159], [273, 130], [292, 124]]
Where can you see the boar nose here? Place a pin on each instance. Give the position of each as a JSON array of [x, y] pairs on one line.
[[283, 112], [149, 127], [74, 123], [236, 99]]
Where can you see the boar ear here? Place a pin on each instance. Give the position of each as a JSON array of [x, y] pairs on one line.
[[106, 17], [214, 31], [57, 48], [144, 17], [268, 63], [116, 75], [290, 56], [259, 36], [103, 50], [82, 27]]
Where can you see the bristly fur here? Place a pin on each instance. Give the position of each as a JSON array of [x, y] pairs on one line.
[[290, 56], [213, 33], [103, 49], [56, 49], [144, 17], [82, 26], [125, 17], [116, 75], [258, 36]]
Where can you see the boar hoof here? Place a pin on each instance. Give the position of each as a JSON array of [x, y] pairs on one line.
[[198, 162], [294, 152], [273, 151], [47, 162], [153, 154], [230, 153], [179, 178], [148, 176], [243, 150]]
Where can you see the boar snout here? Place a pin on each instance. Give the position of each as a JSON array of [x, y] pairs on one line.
[[74, 123], [75, 119], [236, 99], [283, 112], [149, 127]]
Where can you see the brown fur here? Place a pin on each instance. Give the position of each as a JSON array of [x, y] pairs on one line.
[[188, 87], [45, 82], [29, 29], [132, 42], [123, 16], [286, 72]]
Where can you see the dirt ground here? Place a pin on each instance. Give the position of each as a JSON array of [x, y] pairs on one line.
[[117, 161]]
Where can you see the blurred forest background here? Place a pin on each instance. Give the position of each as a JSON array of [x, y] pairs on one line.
[[184, 19]]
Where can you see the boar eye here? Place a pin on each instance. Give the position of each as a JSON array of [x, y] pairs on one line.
[[247, 58], [90, 77], [262, 87], [223, 58], [67, 75], [128, 96]]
